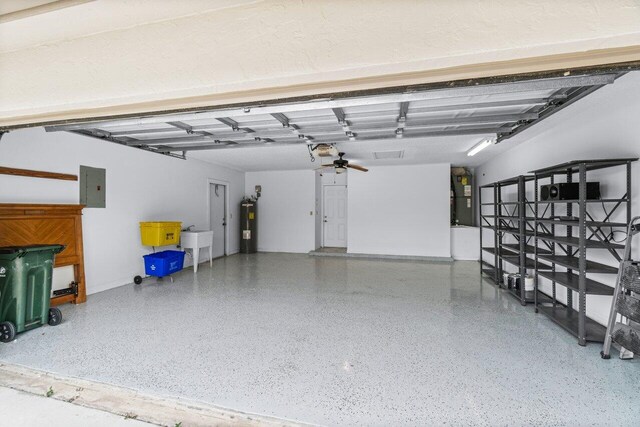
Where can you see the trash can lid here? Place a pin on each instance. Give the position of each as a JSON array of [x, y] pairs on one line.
[[5, 250]]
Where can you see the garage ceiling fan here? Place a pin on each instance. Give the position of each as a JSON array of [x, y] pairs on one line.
[[341, 165]]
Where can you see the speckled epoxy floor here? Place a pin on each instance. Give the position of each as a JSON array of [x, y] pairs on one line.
[[339, 341]]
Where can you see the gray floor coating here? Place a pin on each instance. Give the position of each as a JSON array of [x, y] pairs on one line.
[[329, 250], [339, 341]]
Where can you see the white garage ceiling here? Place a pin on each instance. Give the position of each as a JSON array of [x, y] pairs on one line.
[[30, 23], [427, 126], [449, 149]]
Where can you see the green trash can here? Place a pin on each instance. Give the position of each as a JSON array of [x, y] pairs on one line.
[[25, 289]]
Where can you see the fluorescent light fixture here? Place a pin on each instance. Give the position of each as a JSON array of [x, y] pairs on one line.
[[481, 146]]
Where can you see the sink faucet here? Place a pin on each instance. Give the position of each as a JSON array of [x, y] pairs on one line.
[[189, 228]]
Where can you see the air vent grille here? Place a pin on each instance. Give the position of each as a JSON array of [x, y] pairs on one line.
[[396, 154]]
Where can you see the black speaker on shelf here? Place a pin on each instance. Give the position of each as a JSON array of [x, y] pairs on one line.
[[568, 191]]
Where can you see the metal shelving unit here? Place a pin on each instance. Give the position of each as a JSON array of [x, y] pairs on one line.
[[492, 271], [569, 251], [510, 218]]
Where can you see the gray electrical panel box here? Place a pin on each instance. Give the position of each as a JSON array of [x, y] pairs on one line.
[[93, 187]]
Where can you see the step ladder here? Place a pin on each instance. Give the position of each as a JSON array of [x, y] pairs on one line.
[[626, 303]]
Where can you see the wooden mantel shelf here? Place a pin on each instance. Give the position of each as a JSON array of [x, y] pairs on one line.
[[37, 174]]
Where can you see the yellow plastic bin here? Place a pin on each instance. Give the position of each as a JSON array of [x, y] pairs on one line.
[[160, 233]]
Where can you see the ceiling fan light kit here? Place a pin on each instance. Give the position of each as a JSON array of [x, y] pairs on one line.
[[341, 165], [325, 150]]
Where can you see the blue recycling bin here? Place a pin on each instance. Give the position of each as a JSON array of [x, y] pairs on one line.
[[163, 263]]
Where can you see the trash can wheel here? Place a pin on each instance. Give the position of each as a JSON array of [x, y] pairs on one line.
[[55, 316], [137, 280], [7, 332]]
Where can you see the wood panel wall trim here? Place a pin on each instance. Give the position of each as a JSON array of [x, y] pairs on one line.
[[37, 174], [47, 208], [30, 224]]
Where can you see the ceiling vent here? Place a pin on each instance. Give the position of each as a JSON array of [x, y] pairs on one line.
[[397, 154]]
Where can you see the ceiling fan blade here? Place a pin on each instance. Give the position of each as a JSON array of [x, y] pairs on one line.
[[323, 167], [358, 168]]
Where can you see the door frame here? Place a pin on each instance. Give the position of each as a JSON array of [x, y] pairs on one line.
[[227, 185], [324, 206]]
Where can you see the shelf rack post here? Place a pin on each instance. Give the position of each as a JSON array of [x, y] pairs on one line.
[[569, 213], [628, 192], [582, 263], [535, 243], [553, 248], [481, 221], [522, 240], [496, 235]]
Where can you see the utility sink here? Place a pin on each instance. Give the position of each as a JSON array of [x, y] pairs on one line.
[[195, 240]]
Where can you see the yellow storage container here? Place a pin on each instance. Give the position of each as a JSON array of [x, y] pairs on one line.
[[160, 233]]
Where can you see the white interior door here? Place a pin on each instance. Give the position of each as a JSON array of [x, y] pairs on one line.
[[335, 216], [218, 218]]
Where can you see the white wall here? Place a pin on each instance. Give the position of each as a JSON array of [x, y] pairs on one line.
[[400, 210], [286, 220], [465, 243], [603, 125], [203, 54], [141, 186], [391, 210]]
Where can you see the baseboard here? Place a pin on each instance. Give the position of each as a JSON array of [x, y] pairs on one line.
[[281, 251], [382, 257]]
